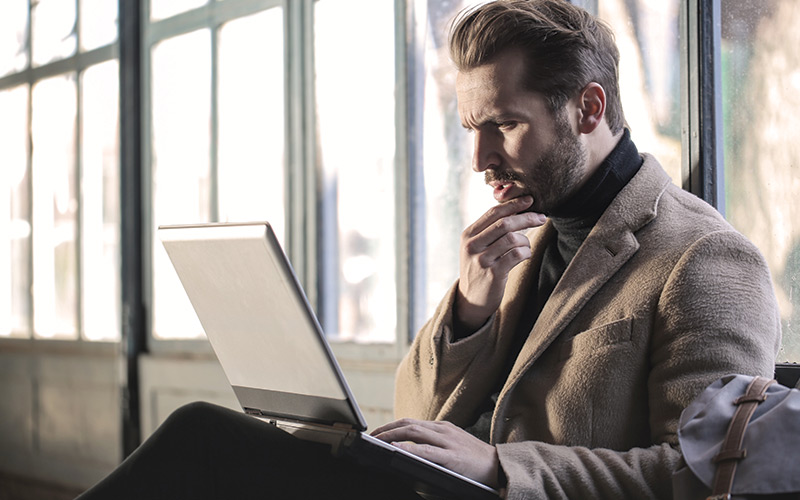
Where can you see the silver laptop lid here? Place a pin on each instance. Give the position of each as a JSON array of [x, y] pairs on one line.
[[259, 322]]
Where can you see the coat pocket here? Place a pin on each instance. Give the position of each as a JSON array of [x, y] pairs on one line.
[[590, 342]]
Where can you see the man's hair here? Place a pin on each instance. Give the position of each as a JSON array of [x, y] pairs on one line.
[[565, 48]]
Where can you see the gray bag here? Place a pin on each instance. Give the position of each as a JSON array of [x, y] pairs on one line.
[[740, 439]]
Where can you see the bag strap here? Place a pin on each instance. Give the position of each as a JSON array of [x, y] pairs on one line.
[[731, 451]]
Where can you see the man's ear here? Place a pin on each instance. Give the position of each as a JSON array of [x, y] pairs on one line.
[[592, 105]]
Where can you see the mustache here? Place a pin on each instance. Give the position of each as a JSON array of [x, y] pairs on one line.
[[500, 176]]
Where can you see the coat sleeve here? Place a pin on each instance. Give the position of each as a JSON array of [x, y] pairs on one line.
[[434, 375], [716, 315]]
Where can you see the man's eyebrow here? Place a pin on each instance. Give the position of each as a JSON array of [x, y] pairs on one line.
[[489, 120]]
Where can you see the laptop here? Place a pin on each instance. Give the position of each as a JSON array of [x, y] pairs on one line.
[[274, 353]]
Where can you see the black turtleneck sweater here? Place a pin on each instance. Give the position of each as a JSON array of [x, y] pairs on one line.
[[572, 220]]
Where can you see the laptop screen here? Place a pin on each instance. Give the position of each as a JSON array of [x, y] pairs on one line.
[[259, 322]]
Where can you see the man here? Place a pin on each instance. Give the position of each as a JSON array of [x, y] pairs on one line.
[[559, 363]]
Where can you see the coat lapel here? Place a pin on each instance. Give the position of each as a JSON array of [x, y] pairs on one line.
[[607, 248]]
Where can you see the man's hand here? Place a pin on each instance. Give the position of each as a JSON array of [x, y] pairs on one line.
[[445, 444], [490, 248]]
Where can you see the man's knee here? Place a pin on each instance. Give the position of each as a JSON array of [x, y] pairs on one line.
[[196, 417], [198, 410]]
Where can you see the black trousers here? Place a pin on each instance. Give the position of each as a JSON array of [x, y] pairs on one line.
[[204, 451]]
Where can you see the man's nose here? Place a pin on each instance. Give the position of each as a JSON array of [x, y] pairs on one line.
[[484, 154]]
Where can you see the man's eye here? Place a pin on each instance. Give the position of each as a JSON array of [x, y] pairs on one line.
[[507, 125]]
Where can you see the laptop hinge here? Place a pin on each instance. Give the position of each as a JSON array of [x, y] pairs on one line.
[[339, 426], [252, 411]]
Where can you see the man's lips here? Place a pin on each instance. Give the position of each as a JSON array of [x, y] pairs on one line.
[[505, 190]]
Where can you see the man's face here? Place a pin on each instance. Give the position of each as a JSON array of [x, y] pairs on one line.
[[519, 144]]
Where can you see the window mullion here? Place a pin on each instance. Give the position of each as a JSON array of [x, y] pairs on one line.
[[411, 252], [301, 195], [702, 138], [79, 216], [214, 132], [133, 242]]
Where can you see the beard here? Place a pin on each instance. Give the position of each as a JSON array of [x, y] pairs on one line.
[[555, 175]]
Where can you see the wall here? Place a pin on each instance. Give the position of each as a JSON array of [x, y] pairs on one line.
[[60, 414]]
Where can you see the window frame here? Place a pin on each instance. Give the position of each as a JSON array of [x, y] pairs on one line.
[[211, 16], [303, 183], [28, 77], [702, 139]]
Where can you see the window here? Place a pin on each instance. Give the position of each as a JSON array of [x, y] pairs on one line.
[[60, 210], [99, 221], [54, 215], [217, 133], [761, 85], [648, 41], [218, 147], [15, 213], [180, 164], [354, 87]]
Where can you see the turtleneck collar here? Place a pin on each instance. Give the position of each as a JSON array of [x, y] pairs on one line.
[[611, 176]]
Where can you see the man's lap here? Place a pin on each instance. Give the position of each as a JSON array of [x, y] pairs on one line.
[[207, 451]]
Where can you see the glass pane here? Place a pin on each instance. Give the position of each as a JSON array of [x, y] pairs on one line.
[[181, 111], [15, 227], [761, 91], [649, 74], [55, 208], [98, 23], [356, 133], [251, 120], [53, 35], [100, 202], [454, 195], [162, 9], [13, 35]]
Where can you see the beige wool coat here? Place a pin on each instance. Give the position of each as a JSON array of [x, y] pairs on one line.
[[663, 298]]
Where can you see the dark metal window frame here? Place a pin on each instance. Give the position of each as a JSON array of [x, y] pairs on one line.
[[134, 317], [701, 101]]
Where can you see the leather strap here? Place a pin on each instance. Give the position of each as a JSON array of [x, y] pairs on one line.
[[731, 451]]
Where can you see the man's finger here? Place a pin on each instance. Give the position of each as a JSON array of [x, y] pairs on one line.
[[431, 453], [497, 212], [417, 431], [393, 425], [515, 243]]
